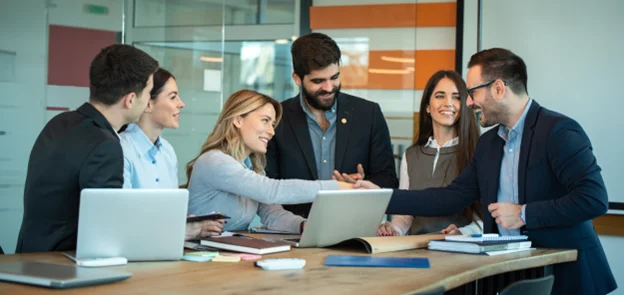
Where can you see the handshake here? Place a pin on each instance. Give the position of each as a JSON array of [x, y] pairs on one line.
[[354, 180]]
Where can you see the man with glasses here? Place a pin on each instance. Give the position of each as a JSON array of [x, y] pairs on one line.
[[535, 174]]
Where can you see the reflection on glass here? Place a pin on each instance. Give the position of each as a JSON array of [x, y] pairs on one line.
[[171, 13]]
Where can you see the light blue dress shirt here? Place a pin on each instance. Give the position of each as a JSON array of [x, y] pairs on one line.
[[323, 142], [508, 182], [147, 164]]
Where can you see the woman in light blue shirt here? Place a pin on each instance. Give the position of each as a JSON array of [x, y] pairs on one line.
[[228, 175], [149, 159]]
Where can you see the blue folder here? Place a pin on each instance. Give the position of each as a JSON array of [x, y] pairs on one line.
[[376, 261]]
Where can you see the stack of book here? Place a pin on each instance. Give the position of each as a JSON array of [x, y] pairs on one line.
[[490, 244], [245, 244]]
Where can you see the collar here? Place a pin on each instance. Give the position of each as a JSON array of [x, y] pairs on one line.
[[432, 143], [247, 163], [518, 128], [328, 113], [90, 111], [140, 141]]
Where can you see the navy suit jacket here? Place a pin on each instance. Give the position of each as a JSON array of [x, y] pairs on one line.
[[558, 180], [363, 138], [75, 150]]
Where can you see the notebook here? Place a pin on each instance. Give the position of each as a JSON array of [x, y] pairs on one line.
[[478, 247], [245, 244], [485, 238], [376, 261]]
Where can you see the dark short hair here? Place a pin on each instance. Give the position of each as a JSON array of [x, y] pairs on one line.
[[313, 51], [118, 70], [160, 78], [499, 63]]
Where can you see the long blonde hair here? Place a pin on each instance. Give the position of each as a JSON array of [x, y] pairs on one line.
[[227, 138]]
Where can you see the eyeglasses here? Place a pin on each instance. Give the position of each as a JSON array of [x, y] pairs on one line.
[[486, 84]]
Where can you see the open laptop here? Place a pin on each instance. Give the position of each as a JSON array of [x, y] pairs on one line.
[[138, 224], [58, 275], [340, 215]]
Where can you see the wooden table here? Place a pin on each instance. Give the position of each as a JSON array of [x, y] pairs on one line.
[[181, 277]]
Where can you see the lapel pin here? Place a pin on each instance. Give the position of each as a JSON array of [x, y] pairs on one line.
[[344, 120]]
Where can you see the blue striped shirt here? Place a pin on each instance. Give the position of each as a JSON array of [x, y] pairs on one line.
[[508, 181]]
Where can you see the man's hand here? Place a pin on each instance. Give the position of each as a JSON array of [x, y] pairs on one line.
[[365, 184], [386, 229], [202, 229], [507, 214], [350, 178]]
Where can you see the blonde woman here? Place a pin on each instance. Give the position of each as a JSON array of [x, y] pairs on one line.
[[228, 175]]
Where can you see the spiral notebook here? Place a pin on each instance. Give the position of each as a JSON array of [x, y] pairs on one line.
[[486, 238]]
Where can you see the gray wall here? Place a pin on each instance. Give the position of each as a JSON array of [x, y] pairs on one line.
[[572, 49]]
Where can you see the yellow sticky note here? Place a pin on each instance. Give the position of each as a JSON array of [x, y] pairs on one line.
[[221, 258]]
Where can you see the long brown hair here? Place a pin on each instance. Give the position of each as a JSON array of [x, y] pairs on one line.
[[466, 128], [227, 138]]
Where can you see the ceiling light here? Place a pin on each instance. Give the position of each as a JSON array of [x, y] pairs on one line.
[[211, 59], [388, 71], [398, 59]]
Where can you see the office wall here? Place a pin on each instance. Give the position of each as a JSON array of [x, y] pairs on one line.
[[390, 49], [573, 54], [28, 102], [22, 112], [75, 37]]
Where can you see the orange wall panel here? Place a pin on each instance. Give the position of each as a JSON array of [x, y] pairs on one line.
[[398, 69], [383, 16], [430, 61]]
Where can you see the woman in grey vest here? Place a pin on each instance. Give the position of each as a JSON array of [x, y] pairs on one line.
[[446, 142]]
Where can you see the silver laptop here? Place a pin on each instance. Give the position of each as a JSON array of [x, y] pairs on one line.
[[340, 215], [58, 275], [138, 224]]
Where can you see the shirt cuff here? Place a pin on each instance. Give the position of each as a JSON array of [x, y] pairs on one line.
[[522, 214], [327, 185]]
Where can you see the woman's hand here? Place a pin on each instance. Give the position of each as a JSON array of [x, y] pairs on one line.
[[344, 185], [386, 229], [202, 229], [451, 230]]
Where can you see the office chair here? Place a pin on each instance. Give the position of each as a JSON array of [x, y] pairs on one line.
[[436, 291], [1, 252], [541, 286]]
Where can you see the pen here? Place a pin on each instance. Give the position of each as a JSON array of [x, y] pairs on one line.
[[485, 235]]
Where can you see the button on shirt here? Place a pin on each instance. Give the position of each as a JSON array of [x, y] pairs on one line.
[[432, 143], [323, 142], [508, 182], [147, 164]]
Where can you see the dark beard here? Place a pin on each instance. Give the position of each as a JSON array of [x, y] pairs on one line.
[[313, 100]]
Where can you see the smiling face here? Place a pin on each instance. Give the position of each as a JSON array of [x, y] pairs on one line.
[[257, 128], [483, 101], [320, 87], [444, 104], [166, 106]]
